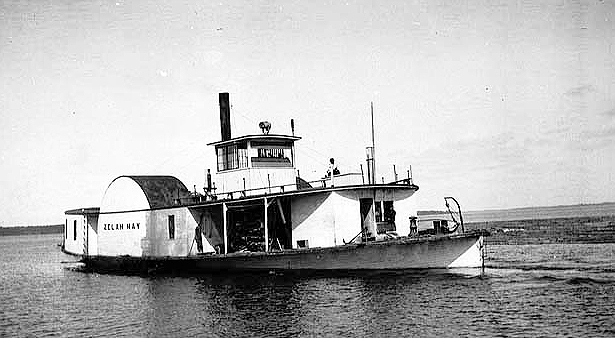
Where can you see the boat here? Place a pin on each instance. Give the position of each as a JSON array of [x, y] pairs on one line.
[[257, 214]]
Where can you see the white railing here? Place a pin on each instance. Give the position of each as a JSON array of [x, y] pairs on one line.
[[340, 180]]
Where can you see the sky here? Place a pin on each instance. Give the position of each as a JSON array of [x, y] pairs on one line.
[[501, 104]]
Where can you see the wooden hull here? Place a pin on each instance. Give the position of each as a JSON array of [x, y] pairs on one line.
[[463, 251]]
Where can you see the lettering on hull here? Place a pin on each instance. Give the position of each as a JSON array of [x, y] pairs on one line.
[[121, 226]]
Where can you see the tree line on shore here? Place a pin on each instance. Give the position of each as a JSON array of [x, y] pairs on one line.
[[32, 230]]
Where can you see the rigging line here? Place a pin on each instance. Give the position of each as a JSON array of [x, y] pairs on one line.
[[307, 147], [304, 145], [189, 146], [191, 162], [170, 158], [319, 158], [238, 111]]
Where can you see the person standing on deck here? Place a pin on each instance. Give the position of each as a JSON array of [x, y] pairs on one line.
[[413, 226], [198, 239], [332, 171], [391, 215]]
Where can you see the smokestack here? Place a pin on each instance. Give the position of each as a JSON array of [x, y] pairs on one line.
[[225, 117]]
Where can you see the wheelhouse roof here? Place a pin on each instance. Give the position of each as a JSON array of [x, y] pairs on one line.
[[262, 138], [160, 191]]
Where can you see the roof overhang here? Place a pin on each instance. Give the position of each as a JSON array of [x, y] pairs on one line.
[[262, 137], [83, 211]]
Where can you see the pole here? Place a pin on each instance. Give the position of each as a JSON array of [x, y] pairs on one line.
[[362, 177], [395, 172], [87, 237], [266, 228], [369, 175], [373, 147], [224, 211], [191, 245]]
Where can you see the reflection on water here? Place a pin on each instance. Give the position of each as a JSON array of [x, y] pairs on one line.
[[563, 290]]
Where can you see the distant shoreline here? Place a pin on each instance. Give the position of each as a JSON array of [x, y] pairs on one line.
[[530, 213], [32, 230]]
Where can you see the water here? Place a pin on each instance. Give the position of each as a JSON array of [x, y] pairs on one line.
[[531, 290]]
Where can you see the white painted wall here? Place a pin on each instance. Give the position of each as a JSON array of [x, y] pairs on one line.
[[330, 218], [92, 234], [347, 215], [404, 209], [157, 241], [325, 220], [403, 202], [312, 219], [72, 245], [146, 233], [277, 176], [232, 180], [121, 233]]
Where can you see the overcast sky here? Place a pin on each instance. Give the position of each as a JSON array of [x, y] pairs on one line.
[[500, 104]]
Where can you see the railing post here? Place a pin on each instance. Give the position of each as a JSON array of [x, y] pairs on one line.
[[224, 220], [266, 228], [362, 177], [395, 173]]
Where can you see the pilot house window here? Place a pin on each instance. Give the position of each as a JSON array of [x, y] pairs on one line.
[[233, 156], [272, 154], [171, 226]]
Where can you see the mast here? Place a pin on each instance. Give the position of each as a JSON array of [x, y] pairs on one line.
[[373, 147]]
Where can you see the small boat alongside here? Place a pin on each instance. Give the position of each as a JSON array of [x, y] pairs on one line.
[[259, 214]]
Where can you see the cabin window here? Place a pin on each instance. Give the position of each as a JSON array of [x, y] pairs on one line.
[[272, 154], [171, 226], [232, 156], [74, 230], [303, 244]]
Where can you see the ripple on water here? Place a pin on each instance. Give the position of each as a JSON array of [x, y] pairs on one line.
[[523, 293]]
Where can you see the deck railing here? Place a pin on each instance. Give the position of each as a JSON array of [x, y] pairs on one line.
[[348, 179]]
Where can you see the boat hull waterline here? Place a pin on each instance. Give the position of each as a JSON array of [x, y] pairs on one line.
[[433, 252]]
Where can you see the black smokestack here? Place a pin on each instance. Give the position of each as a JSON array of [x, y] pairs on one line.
[[225, 117]]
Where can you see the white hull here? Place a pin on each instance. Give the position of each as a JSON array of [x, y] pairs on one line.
[[457, 251]]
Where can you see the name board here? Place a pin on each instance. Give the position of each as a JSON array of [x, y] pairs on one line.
[[121, 226]]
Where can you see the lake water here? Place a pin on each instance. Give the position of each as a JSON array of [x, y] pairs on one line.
[[526, 291]]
